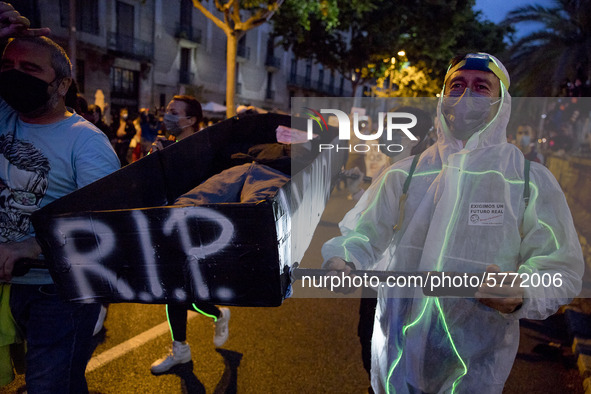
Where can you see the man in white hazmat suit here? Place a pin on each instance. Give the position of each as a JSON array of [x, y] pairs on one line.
[[462, 345]]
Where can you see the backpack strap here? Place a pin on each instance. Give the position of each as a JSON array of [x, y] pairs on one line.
[[526, 191], [402, 201]]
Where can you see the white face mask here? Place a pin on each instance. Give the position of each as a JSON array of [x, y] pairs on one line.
[[467, 113]]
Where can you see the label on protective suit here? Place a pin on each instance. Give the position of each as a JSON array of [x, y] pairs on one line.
[[486, 214]]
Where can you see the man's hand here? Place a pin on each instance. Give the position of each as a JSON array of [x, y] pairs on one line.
[[338, 267], [501, 292], [13, 251], [13, 24]]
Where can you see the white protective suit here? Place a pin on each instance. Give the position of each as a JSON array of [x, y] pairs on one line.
[[458, 345]]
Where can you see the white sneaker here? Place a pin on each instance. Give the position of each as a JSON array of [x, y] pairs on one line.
[[221, 328], [179, 354]]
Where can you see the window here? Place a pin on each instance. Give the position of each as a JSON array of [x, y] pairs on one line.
[[270, 93], [308, 77], [331, 82], [185, 76], [294, 68], [86, 15], [124, 83], [186, 14], [125, 20], [242, 50]]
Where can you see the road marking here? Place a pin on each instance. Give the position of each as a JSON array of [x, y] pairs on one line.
[[123, 348]]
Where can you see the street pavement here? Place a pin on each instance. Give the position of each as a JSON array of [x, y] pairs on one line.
[[303, 346]]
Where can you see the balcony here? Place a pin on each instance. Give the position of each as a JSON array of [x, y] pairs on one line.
[[129, 46], [187, 32], [186, 77], [242, 53], [272, 63]]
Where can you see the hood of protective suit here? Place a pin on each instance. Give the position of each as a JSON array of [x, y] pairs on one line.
[[492, 134]]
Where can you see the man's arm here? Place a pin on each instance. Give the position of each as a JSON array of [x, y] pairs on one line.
[[368, 228], [552, 265]]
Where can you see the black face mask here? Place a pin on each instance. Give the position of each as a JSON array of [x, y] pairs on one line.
[[22, 91]]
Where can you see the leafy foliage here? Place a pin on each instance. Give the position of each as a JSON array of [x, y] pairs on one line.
[[430, 32], [544, 61]]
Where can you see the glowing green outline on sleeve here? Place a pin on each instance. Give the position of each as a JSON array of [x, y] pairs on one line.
[[551, 232], [350, 238]]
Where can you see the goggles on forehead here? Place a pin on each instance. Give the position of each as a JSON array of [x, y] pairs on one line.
[[479, 62]]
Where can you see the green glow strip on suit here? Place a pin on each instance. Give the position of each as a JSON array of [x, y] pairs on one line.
[[400, 350], [169, 325], [533, 198], [196, 309], [360, 237], [375, 201], [453, 345], [438, 267], [203, 313], [551, 232]]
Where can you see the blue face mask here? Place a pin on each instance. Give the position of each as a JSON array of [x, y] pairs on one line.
[[525, 140], [467, 112], [171, 123]]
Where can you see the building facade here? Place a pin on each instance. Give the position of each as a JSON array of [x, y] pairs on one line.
[[138, 54]]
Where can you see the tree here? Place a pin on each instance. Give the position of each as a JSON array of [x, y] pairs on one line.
[[367, 37], [543, 61], [410, 81], [257, 12], [234, 27]]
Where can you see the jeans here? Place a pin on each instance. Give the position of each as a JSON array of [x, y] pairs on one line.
[[59, 338]]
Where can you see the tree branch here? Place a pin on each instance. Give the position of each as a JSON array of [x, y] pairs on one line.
[[197, 4]]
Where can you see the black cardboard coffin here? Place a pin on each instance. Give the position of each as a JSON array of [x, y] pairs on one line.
[[119, 240]]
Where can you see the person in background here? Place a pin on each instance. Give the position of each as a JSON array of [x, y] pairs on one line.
[[150, 129], [526, 142], [181, 120], [95, 116], [125, 130], [46, 152]]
